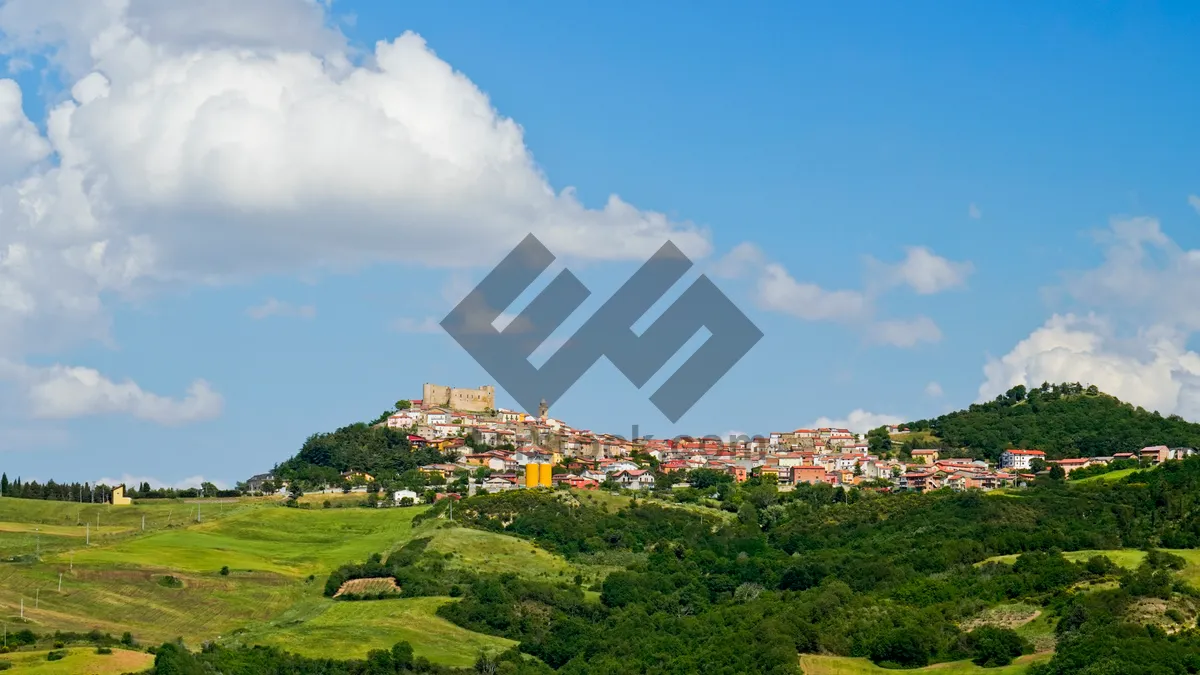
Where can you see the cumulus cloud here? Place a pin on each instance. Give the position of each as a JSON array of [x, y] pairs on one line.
[[1153, 368], [743, 259], [933, 390], [905, 332], [859, 421], [62, 392], [924, 271], [217, 140], [273, 307], [1137, 315], [21, 144], [778, 291]]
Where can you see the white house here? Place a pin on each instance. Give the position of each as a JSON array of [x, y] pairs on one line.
[[437, 416], [634, 479], [401, 494], [404, 419], [1020, 460]]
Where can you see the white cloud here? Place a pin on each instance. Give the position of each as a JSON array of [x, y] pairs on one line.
[[61, 392], [924, 271], [859, 421], [21, 144], [905, 332], [406, 324], [273, 307], [1194, 200], [974, 212], [745, 258], [933, 390], [134, 482], [1152, 369], [778, 291], [218, 140]]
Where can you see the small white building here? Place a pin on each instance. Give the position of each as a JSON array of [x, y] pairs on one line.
[[401, 494]]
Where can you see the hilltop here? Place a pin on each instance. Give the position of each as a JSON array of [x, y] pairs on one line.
[[1064, 420]]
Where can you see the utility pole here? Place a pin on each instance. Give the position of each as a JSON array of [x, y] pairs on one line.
[[37, 598], [143, 522], [37, 538], [72, 567], [87, 533], [60, 582]]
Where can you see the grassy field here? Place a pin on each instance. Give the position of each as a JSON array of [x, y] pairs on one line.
[[351, 629], [1108, 477], [292, 542], [117, 582], [843, 665], [1127, 558], [77, 661]]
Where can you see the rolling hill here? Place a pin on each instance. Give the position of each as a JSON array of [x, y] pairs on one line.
[[1064, 420]]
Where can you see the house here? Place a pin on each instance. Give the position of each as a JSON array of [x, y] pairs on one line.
[[925, 456], [579, 482], [634, 479], [404, 419], [417, 441], [1069, 465], [738, 473], [500, 482], [808, 474], [1020, 459], [119, 498], [399, 495], [255, 483], [1155, 454], [437, 416], [357, 477], [490, 460], [443, 470], [918, 481]]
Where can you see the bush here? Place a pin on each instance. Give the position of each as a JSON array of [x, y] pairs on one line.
[[59, 645], [103, 650], [225, 571], [991, 646], [127, 639], [5, 665], [327, 504], [170, 581], [57, 655]]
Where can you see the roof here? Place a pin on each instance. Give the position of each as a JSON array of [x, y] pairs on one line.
[[925, 452], [1016, 451]]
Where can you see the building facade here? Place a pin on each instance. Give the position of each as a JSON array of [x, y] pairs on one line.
[[470, 400]]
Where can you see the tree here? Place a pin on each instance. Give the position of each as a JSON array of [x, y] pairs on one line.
[[1057, 472], [1037, 465], [294, 492], [991, 646], [4, 484], [403, 404], [879, 441], [208, 489]]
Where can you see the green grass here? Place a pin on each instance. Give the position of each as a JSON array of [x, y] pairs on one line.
[[1127, 558], [844, 665], [351, 629], [78, 660], [1109, 477], [477, 549], [293, 542]]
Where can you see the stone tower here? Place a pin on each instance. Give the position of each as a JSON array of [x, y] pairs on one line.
[[543, 409]]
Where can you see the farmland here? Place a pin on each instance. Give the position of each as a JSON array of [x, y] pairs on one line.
[[115, 576], [843, 665], [79, 660]]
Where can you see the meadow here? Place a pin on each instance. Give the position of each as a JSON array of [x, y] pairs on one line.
[[165, 581], [813, 664], [1127, 558], [78, 660]]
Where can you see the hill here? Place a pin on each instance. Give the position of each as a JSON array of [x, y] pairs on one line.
[[1064, 420], [379, 451]]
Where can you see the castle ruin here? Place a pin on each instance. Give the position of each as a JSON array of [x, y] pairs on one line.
[[466, 400]]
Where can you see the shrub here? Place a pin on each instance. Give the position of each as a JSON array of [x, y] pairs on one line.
[[5, 665], [225, 571], [103, 650], [991, 646], [127, 639], [170, 581], [59, 645], [56, 655]]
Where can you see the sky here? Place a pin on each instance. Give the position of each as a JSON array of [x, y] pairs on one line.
[[226, 226]]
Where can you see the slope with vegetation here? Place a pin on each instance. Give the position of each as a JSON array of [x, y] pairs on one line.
[[1064, 420]]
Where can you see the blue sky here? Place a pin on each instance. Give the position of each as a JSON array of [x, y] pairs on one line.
[[1041, 154]]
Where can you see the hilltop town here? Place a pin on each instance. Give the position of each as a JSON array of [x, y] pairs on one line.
[[499, 450]]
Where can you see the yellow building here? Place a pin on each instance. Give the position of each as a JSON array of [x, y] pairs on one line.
[[119, 498]]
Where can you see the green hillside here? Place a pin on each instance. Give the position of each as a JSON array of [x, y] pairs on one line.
[[1065, 420]]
